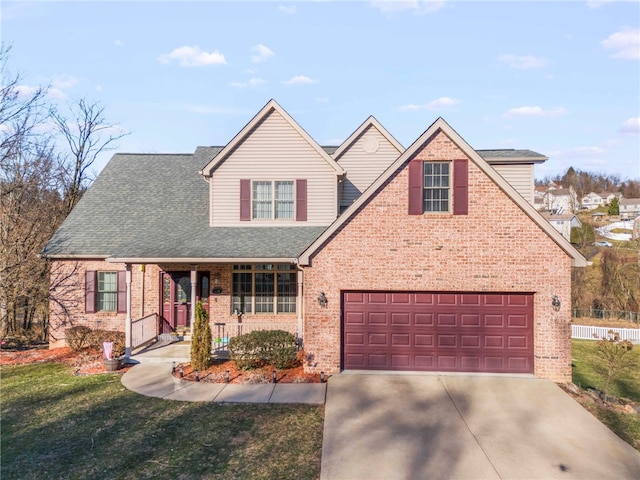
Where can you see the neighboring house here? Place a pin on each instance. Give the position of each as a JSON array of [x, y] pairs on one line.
[[561, 200], [592, 200], [563, 223], [629, 207], [635, 232], [415, 274]]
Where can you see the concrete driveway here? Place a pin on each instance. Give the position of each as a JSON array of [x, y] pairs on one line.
[[476, 427]]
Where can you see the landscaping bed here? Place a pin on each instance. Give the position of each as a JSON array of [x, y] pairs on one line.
[[217, 373]]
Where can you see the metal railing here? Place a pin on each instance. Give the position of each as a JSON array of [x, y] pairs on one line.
[[222, 332], [144, 330], [633, 317], [585, 332]]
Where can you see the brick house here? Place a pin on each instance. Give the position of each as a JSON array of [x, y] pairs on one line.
[[379, 258]]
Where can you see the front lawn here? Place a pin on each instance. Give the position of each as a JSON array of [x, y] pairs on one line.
[[57, 425], [625, 424]]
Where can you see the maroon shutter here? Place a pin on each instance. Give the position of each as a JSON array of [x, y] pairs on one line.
[[245, 200], [415, 187], [122, 292], [301, 200], [90, 292], [460, 187]]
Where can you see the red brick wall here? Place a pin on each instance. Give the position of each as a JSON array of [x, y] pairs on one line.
[[496, 247]]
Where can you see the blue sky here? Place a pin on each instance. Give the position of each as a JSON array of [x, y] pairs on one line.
[[560, 78]]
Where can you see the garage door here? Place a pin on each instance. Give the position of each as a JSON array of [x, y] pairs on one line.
[[433, 331]]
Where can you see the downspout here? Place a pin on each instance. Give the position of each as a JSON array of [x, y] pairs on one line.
[[127, 322], [300, 302]]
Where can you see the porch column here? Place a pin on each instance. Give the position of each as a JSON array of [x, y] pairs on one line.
[[299, 303], [194, 278], [127, 322]]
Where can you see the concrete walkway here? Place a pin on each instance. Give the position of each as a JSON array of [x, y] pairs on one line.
[[152, 377], [475, 427]]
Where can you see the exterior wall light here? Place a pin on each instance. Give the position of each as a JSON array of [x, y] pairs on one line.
[[555, 303], [322, 300]]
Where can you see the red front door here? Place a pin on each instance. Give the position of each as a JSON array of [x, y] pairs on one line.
[[176, 299]]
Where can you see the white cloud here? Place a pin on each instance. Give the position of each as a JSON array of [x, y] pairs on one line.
[[436, 104], [418, 7], [524, 62], [26, 91], [288, 9], [193, 57], [254, 82], [624, 43], [535, 112], [299, 80], [631, 126], [579, 153], [594, 4], [119, 43], [263, 53], [64, 81]]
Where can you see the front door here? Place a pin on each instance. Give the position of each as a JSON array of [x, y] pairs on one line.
[[176, 299]]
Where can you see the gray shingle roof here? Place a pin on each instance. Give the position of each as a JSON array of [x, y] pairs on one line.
[[510, 155], [156, 206]]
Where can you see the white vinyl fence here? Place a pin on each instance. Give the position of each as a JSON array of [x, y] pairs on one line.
[[596, 333]]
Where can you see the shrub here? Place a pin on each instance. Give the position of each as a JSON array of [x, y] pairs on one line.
[[263, 347], [98, 337], [77, 337], [201, 340], [612, 358]]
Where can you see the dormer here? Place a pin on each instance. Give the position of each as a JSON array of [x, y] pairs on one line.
[[272, 173]]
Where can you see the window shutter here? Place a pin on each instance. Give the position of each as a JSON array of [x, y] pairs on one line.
[[122, 292], [461, 187], [245, 200], [415, 187], [90, 291], [301, 200]]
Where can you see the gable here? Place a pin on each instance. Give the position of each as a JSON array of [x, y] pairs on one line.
[[441, 143], [364, 156], [272, 150]]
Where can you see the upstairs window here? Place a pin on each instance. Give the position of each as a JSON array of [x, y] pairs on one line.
[[273, 200], [436, 187]]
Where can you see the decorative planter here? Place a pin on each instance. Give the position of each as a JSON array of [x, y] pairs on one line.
[[112, 364]]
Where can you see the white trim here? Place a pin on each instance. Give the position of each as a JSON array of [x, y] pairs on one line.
[[369, 122]]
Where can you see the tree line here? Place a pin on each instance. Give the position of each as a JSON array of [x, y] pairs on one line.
[[46, 157], [584, 182]]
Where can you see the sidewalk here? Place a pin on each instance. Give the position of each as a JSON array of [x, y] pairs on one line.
[[152, 377]]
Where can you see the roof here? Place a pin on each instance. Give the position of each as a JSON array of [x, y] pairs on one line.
[[510, 155], [154, 207], [441, 125], [630, 201], [270, 107]]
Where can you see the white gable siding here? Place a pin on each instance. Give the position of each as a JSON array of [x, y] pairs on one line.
[[520, 177], [274, 150], [363, 165]]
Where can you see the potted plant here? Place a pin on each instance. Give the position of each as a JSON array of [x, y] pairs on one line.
[[111, 363]]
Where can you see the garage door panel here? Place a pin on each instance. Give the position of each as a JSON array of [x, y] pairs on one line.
[[429, 331]]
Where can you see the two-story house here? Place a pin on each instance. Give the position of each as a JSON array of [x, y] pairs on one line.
[[376, 256], [629, 207]]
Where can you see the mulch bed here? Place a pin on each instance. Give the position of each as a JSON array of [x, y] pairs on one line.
[[89, 362]]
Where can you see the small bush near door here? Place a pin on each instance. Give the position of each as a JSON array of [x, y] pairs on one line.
[[81, 337], [201, 340], [263, 347]]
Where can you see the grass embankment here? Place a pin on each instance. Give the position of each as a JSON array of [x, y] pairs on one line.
[[626, 386], [57, 425]]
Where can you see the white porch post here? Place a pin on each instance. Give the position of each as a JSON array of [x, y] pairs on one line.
[[127, 322], [299, 303], [194, 278]]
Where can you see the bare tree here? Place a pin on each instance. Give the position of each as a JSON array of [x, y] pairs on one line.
[[87, 134]]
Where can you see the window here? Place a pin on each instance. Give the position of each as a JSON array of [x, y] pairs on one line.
[[273, 200], [264, 288], [436, 186], [107, 292]]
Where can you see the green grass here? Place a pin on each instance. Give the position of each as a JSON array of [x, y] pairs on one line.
[[585, 375], [625, 425], [57, 425]]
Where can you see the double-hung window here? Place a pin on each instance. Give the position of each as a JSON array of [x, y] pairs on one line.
[[107, 295], [264, 288], [436, 196], [105, 291], [273, 200]]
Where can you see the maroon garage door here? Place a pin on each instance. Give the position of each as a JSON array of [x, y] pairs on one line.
[[442, 332]]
